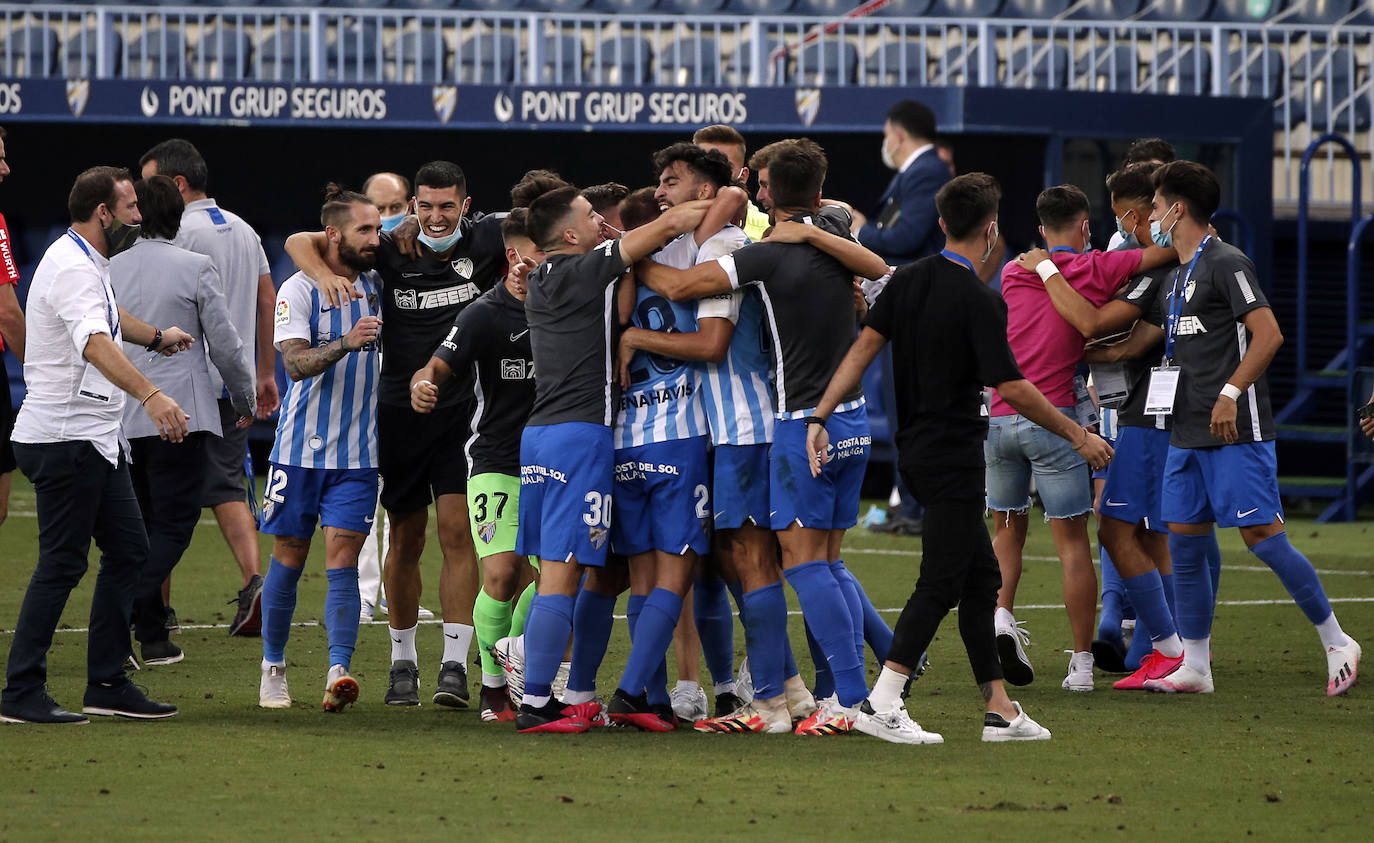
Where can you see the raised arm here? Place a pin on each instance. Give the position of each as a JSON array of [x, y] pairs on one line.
[[1088, 320], [855, 257], [701, 280], [650, 237], [307, 249], [727, 206]]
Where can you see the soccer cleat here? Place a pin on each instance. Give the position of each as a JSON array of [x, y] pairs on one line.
[[1184, 680], [830, 718], [272, 692], [1011, 635], [689, 702], [1342, 666], [800, 703], [594, 712], [403, 683], [727, 703], [123, 699], [744, 681], [636, 711], [553, 717], [452, 688], [751, 717], [340, 689], [496, 705], [1108, 656], [996, 729], [510, 654], [248, 617], [1155, 665], [1080, 676], [161, 652], [895, 726]]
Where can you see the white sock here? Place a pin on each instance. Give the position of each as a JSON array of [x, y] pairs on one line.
[[1331, 633], [578, 697], [687, 683], [266, 664], [537, 702], [493, 681], [887, 691], [457, 642], [1171, 646], [1197, 654], [403, 645], [725, 688]]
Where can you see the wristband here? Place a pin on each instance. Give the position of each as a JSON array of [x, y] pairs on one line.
[[155, 391], [1046, 270], [1231, 391], [417, 383], [156, 343], [814, 419], [1084, 442]]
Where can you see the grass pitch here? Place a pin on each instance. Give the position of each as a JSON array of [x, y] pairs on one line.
[[1267, 755]]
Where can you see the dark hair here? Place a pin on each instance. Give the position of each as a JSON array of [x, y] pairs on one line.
[[796, 174], [160, 204], [441, 174], [1133, 183], [709, 165], [405, 184], [93, 188], [603, 196], [1149, 149], [1060, 205], [639, 208], [914, 118], [547, 215], [516, 224], [1193, 185], [178, 157], [966, 202], [338, 205], [532, 185]]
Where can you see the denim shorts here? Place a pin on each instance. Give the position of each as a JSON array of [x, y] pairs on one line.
[[1017, 449]]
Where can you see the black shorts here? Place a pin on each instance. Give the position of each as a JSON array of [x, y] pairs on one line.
[[6, 421], [224, 460], [421, 455]]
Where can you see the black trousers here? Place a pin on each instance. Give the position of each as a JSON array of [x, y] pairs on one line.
[[958, 568], [168, 479], [80, 497]]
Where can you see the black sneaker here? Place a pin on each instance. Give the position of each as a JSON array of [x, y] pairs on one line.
[[248, 617], [42, 710], [123, 699], [1109, 656], [452, 688], [728, 703], [553, 716], [161, 652], [403, 685], [635, 711], [496, 704], [170, 622]]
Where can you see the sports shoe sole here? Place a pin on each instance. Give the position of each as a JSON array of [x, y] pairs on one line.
[[97, 711], [343, 693], [870, 727], [1014, 670], [19, 721], [168, 660], [563, 726], [449, 699], [274, 705], [998, 737], [644, 722]]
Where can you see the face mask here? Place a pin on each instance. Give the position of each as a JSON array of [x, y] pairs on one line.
[[992, 242], [1162, 239], [441, 244], [391, 222], [119, 237], [1121, 226], [888, 161]]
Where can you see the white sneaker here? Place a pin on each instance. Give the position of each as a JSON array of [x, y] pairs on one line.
[[424, 614], [272, 692], [510, 654], [744, 682], [895, 726], [689, 702], [800, 703], [340, 689], [1185, 680], [1011, 635], [1080, 676], [996, 729], [1342, 664], [365, 612]]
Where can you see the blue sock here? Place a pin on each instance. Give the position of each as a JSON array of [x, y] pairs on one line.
[[546, 639], [1109, 625], [1141, 645], [853, 605], [656, 689], [764, 637], [1193, 594], [789, 662], [1296, 574], [875, 630], [591, 622], [1214, 565], [736, 590], [825, 680], [1152, 609], [341, 604], [824, 606], [653, 633], [1167, 581], [716, 627], [278, 605]]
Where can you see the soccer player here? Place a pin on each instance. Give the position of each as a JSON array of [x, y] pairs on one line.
[[949, 339], [566, 454], [808, 298], [491, 339], [729, 142], [421, 456], [324, 464]]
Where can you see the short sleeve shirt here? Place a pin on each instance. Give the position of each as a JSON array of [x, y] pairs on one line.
[[1142, 291]]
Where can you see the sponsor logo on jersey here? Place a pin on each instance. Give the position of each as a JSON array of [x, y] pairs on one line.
[[517, 369], [1189, 326], [431, 299], [659, 395], [463, 266], [486, 532], [283, 312]]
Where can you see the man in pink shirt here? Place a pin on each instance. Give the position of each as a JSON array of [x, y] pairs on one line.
[[1048, 349]]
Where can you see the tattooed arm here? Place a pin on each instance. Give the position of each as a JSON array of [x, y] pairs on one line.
[[302, 361]]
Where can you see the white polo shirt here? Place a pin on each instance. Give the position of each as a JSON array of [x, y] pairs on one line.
[[68, 399]]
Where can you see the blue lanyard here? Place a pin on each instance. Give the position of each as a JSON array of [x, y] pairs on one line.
[[1057, 249], [111, 312], [1176, 303], [958, 259]]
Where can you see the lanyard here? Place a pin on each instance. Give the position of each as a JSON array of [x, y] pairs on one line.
[[1176, 303], [111, 312], [958, 259]]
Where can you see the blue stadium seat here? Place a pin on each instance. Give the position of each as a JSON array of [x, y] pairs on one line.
[[354, 55], [905, 9], [1190, 66], [897, 63], [691, 7], [487, 60], [557, 5], [284, 55], [1107, 69], [1048, 66], [444, 4], [1246, 11], [623, 59], [1258, 71], [562, 60], [1107, 9], [34, 49], [965, 8], [358, 4], [1035, 9], [80, 52], [832, 62], [1320, 12], [157, 53], [1334, 96], [690, 61], [222, 53], [419, 56], [1176, 11], [624, 7], [778, 73], [757, 7], [960, 67], [824, 8]]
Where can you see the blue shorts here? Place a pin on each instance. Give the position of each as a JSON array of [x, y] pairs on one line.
[[1229, 485], [827, 502], [565, 492], [295, 498], [662, 498], [1135, 478], [1017, 449], [740, 491]]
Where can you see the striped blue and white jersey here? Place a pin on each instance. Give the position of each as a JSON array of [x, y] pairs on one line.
[[330, 420]]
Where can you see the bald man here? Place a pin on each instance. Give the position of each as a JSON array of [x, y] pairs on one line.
[[390, 192]]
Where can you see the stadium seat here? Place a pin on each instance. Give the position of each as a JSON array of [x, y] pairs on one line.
[[1189, 66], [691, 7], [1258, 71], [1107, 69], [79, 54], [690, 61], [623, 59], [487, 60], [1048, 66], [897, 63], [1245, 11], [557, 5], [157, 53], [562, 61], [823, 8], [965, 8], [1333, 97], [905, 9], [360, 4], [445, 4], [354, 54], [34, 49], [757, 7], [832, 62], [1175, 11], [739, 63], [222, 53], [419, 56], [1319, 12], [1035, 9], [623, 7], [960, 67], [283, 55], [1106, 9]]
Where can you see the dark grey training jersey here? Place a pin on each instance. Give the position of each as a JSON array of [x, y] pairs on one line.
[[571, 313], [1210, 343], [1142, 291]]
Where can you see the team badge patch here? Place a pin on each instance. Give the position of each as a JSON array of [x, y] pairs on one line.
[[597, 535], [486, 532], [1189, 289], [268, 508], [808, 101], [463, 266], [445, 101], [78, 94]]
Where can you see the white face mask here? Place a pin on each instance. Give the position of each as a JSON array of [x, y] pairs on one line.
[[888, 160], [992, 234]]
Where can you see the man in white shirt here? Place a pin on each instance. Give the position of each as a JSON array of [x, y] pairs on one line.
[[67, 441]]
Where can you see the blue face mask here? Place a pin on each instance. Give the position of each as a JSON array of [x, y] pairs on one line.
[[1162, 239], [441, 244], [391, 222], [1120, 226]]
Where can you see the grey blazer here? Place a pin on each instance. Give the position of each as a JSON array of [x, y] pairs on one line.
[[164, 286]]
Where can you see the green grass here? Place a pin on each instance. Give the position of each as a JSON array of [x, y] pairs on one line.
[[1268, 754]]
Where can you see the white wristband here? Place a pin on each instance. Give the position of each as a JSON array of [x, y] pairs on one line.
[[417, 383], [1046, 269], [1231, 391]]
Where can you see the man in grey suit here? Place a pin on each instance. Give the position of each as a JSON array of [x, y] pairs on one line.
[[173, 286]]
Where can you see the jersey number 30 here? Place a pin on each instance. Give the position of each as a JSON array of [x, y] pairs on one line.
[[598, 512]]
